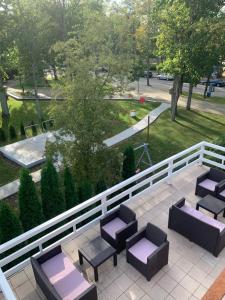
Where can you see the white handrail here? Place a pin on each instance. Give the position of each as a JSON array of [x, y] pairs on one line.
[[5, 287], [101, 203]]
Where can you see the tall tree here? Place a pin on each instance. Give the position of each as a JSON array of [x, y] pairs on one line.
[[10, 226], [29, 204], [52, 200], [71, 196], [128, 163]]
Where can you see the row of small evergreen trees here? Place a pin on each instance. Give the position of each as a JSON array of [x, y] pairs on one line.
[[55, 197], [13, 134]]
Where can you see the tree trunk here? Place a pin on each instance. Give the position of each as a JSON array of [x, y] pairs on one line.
[[148, 71], [188, 107], [181, 84], [37, 103], [206, 86], [175, 94], [55, 72], [3, 100]]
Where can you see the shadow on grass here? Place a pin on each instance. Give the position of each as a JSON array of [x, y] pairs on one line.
[[208, 118]]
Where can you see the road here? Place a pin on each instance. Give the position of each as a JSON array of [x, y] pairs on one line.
[[164, 85]]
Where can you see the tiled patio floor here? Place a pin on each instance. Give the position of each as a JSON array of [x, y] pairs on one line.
[[191, 269]]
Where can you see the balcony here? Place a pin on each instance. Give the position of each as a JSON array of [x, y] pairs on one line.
[[191, 269]]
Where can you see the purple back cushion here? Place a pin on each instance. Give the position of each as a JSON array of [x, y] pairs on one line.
[[191, 211], [66, 279], [142, 249], [208, 184], [223, 193], [213, 222], [113, 226]]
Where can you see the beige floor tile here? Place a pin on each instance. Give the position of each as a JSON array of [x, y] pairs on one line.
[[25, 290], [200, 292], [135, 292], [158, 293], [18, 279], [124, 282], [189, 284], [113, 291], [197, 274], [180, 293], [167, 283], [176, 273]]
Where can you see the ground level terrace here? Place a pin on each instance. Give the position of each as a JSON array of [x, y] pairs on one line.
[[191, 269]]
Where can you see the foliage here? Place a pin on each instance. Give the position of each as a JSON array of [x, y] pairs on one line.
[[128, 163], [2, 135], [33, 128], [10, 226], [29, 204], [12, 132], [52, 200], [85, 190], [100, 186], [71, 196]]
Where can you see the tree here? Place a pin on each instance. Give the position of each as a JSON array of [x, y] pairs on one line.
[[85, 190], [100, 186], [29, 204], [22, 130], [128, 163], [71, 196], [33, 128], [12, 132], [10, 226], [2, 135], [52, 200]]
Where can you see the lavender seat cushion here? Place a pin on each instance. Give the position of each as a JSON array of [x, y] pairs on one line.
[[213, 222], [142, 249], [222, 193], [191, 211], [66, 279], [113, 226], [208, 184]]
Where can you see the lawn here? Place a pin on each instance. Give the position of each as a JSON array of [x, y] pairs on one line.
[[213, 99], [168, 138]]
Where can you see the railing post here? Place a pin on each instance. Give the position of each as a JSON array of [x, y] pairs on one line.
[[170, 171], [202, 150], [104, 205]]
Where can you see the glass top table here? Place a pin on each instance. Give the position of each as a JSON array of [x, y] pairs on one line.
[[212, 204], [96, 252]]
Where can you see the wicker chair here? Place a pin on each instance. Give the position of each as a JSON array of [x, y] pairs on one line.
[[117, 226], [208, 182], [148, 250]]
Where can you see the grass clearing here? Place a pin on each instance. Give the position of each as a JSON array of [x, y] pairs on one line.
[[212, 99]]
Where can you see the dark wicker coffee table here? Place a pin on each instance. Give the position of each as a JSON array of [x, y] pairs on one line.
[[96, 252], [212, 204]]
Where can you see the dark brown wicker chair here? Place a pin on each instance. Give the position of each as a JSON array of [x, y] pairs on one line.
[[117, 226], [208, 182], [148, 250], [57, 277]]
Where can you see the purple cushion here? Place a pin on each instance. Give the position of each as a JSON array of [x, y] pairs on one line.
[[191, 211], [113, 226], [222, 193], [213, 222], [66, 279], [142, 249], [208, 184]]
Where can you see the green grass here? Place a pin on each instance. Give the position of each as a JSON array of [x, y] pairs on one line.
[[168, 138], [213, 99], [8, 171]]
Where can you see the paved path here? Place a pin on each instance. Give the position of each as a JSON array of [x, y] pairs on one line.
[[31, 151], [137, 127]]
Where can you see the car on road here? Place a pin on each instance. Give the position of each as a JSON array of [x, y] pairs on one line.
[[214, 82], [146, 74], [165, 77]]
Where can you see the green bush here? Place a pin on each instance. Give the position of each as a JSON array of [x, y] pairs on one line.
[[22, 130], [2, 135], [100, 186], [71, 196], [128, 163], [29, 204], [10, 226], [12, 132], [52, 200], [85, 190]]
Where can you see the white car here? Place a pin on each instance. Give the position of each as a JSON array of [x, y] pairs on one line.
[[165, 77]]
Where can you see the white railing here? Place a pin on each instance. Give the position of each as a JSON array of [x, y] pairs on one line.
[[69, 224], [5, 287]]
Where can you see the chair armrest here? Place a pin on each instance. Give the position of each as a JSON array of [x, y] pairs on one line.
[[55, 251], [220, 186], [109, 217], [124, 232], [153, 255], [203, 177], [135, 238], [89, 294]]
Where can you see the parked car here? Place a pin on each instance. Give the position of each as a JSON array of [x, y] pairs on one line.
[[146, 74], [165, 77], [214, 82]]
